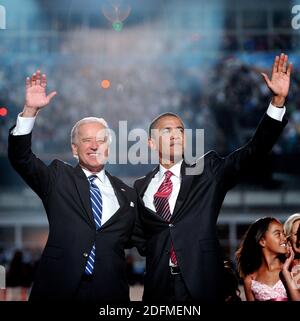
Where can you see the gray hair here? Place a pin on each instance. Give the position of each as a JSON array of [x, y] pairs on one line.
[[88, 120], [288, 224]]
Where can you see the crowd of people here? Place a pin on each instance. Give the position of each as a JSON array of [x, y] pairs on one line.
[[203, 100]]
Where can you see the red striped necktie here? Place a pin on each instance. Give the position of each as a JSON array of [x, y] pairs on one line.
[[162, 206]]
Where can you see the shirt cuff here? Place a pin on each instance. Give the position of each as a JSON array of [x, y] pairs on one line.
[[276, 112], [24, 125]]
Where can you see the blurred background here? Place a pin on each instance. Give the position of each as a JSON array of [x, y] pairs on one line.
[[131, 60]]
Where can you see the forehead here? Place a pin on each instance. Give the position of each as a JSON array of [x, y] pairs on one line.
[[275, 226], [168, 121], [91, 129]]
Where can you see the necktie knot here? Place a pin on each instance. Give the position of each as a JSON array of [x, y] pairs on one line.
[[168, 174], [92, 178]]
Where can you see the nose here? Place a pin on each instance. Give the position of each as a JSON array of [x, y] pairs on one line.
[[94, 145], [175, 134]]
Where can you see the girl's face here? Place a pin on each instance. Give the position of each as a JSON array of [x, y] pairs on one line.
[[274, 239], [293, 237]]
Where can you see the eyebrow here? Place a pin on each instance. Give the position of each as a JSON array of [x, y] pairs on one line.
[[276, 231], [178, 127]]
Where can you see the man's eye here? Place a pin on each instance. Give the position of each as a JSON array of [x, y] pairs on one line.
[[179, 131]]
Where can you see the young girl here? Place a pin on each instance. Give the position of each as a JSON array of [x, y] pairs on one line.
[[259, 260]]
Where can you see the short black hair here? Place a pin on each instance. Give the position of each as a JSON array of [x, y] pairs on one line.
[[156, 119]]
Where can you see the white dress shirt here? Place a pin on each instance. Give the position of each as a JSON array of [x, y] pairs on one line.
[[156, 181], [110, 203]]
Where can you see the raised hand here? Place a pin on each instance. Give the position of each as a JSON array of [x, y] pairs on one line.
[[288, 261], [280, 79], [36, 97]]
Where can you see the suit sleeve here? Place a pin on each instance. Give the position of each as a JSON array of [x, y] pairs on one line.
[[138, 236], [229, 169], [34, 172]]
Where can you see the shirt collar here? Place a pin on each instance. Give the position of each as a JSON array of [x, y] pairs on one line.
[[101, 175], [175, 169]]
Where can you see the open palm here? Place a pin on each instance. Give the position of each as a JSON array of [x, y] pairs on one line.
[[280, 79], [36, 96]]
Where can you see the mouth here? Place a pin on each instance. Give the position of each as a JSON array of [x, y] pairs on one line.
[[283, 245], [94, 155], [175, 144]]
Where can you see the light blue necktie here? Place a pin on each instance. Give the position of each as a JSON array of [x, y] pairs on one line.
[[96, 201]]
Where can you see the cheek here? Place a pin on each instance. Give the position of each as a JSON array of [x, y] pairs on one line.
[[104, 150], [165, 141]]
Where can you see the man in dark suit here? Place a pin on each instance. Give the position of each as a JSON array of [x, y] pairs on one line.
[[179, 203], [91, 214]]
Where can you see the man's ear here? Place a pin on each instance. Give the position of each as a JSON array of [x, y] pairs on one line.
[[151, 143], [74, 150]]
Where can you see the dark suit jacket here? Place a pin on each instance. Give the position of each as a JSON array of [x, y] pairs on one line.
[[64, 191], [193, 224]]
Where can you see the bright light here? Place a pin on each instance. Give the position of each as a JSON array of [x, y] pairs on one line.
[[116, 11], [105, 84], [3, 112]]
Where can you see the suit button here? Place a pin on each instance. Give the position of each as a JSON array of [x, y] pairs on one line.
[[171, 225], [85, 254]]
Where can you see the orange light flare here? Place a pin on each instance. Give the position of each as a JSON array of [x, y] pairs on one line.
[[105, 84]]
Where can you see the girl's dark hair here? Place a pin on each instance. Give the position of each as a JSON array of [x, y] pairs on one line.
[[231, 283], [249, 254]]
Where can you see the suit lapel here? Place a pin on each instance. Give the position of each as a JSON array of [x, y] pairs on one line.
[[146, 182], [186, 183], [121, 197], [83, 189]]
